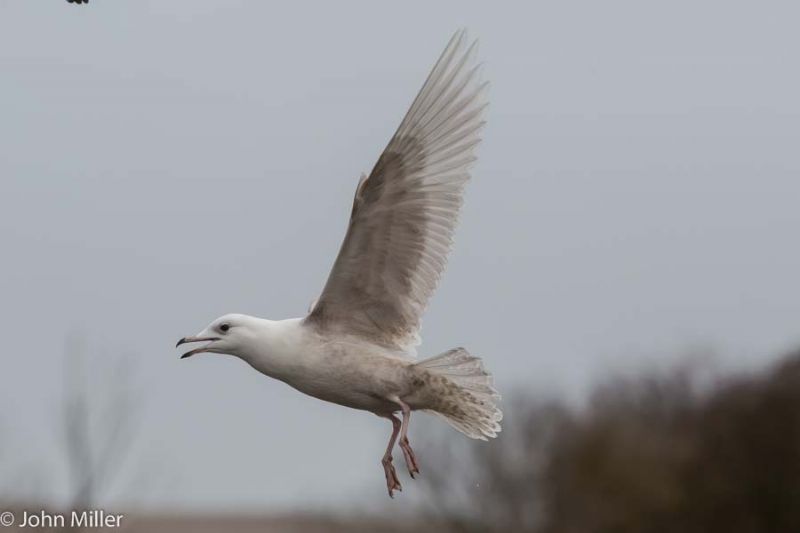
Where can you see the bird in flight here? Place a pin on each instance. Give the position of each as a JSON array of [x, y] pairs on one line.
[[357, 345]]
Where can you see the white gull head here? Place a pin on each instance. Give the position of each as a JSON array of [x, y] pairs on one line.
[[229, 334]]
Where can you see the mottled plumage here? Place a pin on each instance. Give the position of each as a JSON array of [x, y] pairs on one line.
[[404, 213], [356, 346]]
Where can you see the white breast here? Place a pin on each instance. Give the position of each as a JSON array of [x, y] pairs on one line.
[[342, 371]]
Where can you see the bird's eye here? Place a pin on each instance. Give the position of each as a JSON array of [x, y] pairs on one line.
[[225, 327]]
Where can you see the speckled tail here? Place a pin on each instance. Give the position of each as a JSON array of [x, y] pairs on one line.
[[471, 405]]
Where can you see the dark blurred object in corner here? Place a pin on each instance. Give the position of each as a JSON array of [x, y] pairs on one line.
[[78, 1], [657, 453]]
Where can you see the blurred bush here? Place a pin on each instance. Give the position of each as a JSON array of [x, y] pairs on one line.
[[656, 453]]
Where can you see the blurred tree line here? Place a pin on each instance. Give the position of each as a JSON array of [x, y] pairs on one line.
[[657, 453]]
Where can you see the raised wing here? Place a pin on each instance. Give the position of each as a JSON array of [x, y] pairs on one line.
[[404, 213]]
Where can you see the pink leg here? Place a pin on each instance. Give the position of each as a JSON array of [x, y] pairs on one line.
[[392, 483], [408, 453]]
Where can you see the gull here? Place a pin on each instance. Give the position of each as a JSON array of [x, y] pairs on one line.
[[357, 345]]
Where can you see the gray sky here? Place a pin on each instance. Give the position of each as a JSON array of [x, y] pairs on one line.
[[163, 163]]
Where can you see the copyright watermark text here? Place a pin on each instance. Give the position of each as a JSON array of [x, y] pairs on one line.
[[95, 518]]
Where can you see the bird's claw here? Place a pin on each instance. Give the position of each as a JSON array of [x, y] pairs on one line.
[[411, 459], [392, 482]]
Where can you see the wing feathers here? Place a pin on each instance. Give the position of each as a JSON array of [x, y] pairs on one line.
[[404, 213]]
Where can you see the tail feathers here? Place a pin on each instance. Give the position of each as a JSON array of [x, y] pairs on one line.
[[467, 399]]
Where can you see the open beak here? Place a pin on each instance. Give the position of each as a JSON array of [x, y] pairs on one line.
[[187, 340]]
